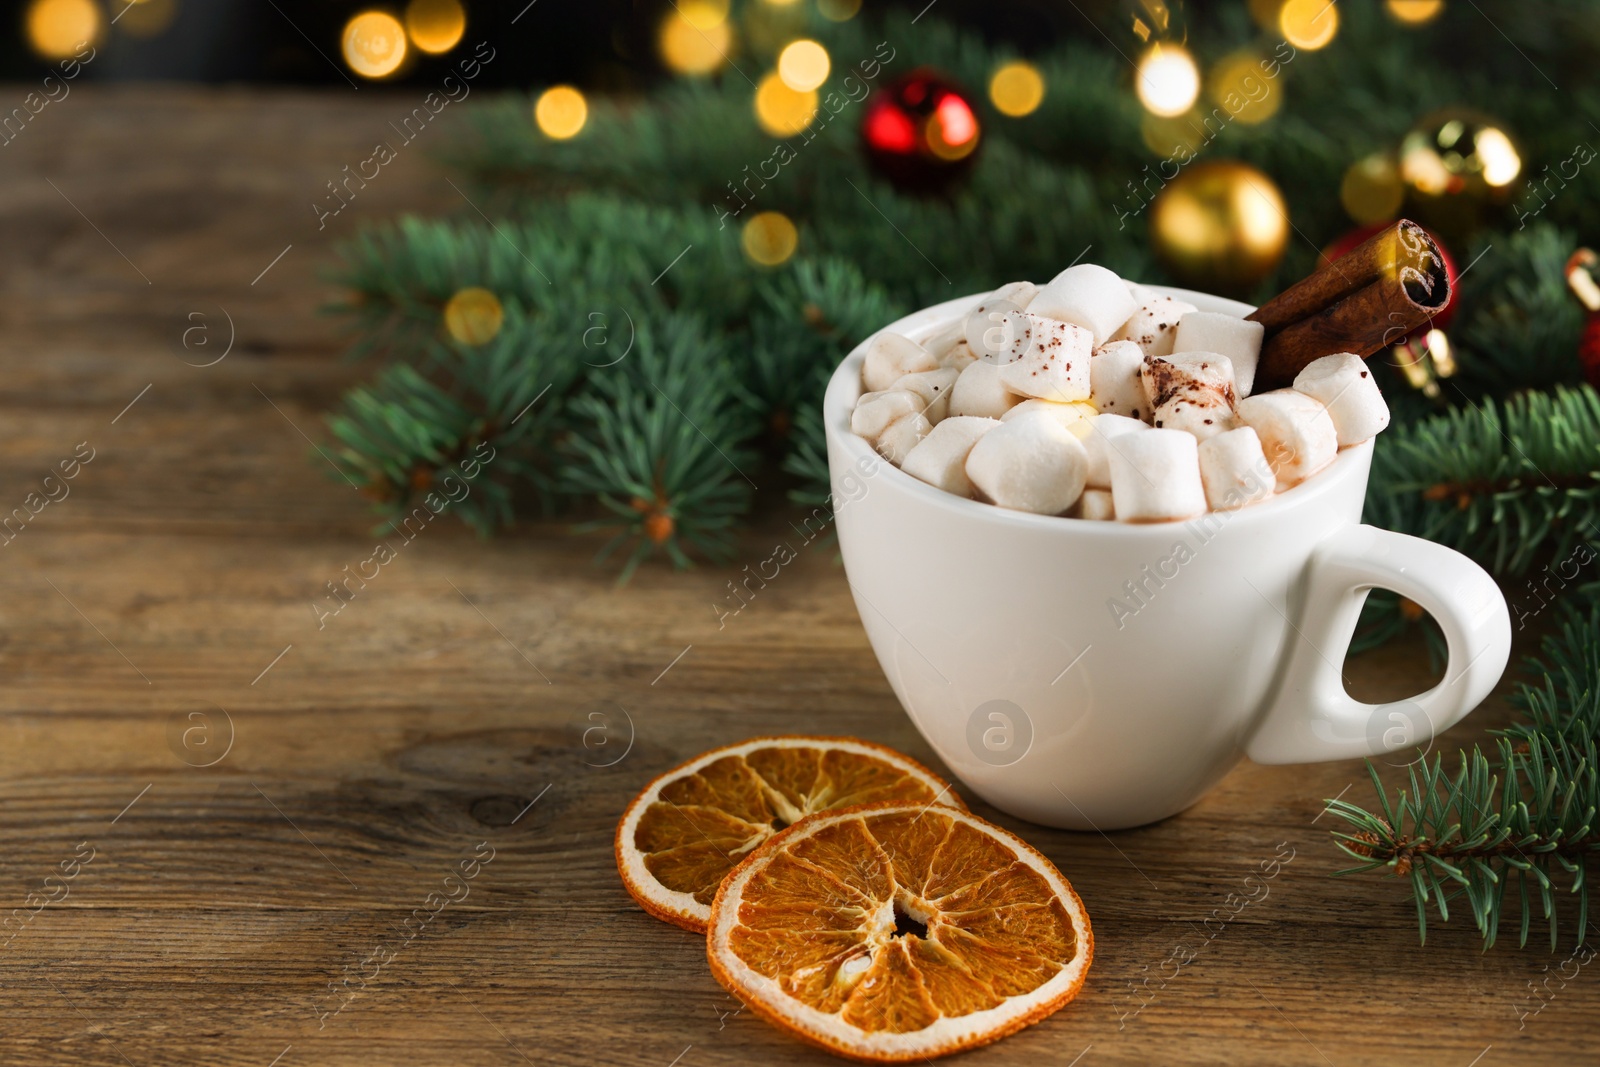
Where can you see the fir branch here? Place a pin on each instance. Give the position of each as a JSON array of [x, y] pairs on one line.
[[1519, 326], [1503, 483], [1522, 816], [496, 406], [658, 442]]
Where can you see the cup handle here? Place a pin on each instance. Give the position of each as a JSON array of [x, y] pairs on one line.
[[1312, 718]]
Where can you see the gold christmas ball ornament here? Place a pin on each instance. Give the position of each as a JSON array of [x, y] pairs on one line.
[[473, 316], [1220, 226], [1458, 165]]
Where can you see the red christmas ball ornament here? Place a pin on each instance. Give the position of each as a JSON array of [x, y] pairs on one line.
[[1354, 238], [921, 131], [1589, 350], [1581, 269]]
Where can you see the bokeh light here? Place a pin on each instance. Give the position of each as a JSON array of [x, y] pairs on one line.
[[560, 112], [838, 10], [1238, 84], [1265, 13], [1414, 12], [56, 28], [374, 44], [1017, 89], [704, 14], [435, 26], [1501, 162], [803, 65], [473, 316], [695, 37], [147, 18], [1172, 137], [952, 130], [769, 238], [1309, 24], [1371, 190], [1168, 80], [782, 111]]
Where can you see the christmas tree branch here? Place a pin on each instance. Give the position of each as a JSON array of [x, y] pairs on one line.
[[1522, 816]]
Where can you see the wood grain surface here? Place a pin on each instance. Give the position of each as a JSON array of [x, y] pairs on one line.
[[158, 619]]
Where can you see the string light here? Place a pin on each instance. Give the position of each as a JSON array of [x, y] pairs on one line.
[[838, 10], [1171, 137], [1501, 163], [1309, 24], [704, 14], [782, 111], [1265, 13], [695, 38], [561, 112], [803, 65], [374, 44], [473, 316], [146, 18], [1414, 12], [1017, 89], [1168, 80], [769, 238], [435, 26], [56, 28], [1238, 84], [952, 129]]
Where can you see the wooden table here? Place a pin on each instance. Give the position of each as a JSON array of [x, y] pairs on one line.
[[162, 610]]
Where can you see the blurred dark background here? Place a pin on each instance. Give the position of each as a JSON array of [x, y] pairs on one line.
[[603, 44], [617, 45]]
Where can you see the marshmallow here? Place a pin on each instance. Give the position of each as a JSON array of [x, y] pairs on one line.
[[1296, 433], [1066, 414], [1049, 359], [1155, 325], [984, 323], [1115, 382], [1089, 296], [895, 443], [1098, 436], [1226, 335], [1204, 414], [1344, 384], [1140, 293], [940, 459], [1095, 505], [1234, 470], [979, 391], [944, 337], [1155, 477], [890, 357], [875, 412], [933, 386], [959, 357], [1029, 464], [1190, 375]]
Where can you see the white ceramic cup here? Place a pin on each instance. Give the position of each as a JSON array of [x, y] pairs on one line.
[[997, 629]]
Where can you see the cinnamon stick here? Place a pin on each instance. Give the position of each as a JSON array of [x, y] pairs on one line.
[[1364, 301]]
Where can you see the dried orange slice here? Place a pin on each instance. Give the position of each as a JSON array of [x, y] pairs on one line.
[[697, 822], [896, 932]]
